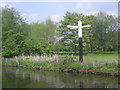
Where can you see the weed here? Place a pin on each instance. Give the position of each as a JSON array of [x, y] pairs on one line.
[[64, 62]]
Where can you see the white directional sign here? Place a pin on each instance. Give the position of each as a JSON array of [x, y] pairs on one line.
[[79, 28], [79, 36]]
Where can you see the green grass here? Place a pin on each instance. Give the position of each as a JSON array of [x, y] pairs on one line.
[[106, 57], [98, 58], [101, 57], [102, 62]]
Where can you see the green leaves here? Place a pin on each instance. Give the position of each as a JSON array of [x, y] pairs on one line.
[[70, 36], [41, 38], [13, 32], [20, 38], [105, 27], [98, 37]]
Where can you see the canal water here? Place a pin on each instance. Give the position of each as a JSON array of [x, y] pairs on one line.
[[25, 78]]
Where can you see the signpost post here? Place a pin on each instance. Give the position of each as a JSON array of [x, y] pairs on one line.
[[79, 37]]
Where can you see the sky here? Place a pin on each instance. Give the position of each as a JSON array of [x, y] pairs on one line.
[[40, 11]]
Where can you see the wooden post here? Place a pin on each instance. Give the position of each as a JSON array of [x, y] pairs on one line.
[[80, 50]]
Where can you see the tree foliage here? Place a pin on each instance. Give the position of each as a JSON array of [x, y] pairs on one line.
[[41, 38], [13, 32], [69, 36], [105, 32], [102, 36], [18, 37], [47, 37]]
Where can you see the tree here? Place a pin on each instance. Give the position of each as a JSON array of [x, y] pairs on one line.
[[69, 37], [50, 30], [88, 33], [43, 30], [14, 31], [105, 31], [41, 38]]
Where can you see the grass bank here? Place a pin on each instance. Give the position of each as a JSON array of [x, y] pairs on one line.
[[93, 63]]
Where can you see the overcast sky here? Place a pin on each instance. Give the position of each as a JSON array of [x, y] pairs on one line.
[[39, 11]]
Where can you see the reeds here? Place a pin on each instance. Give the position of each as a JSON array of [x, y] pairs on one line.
[[34, 58], [61, 62]]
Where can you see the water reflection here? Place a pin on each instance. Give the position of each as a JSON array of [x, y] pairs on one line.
[[24, 78]]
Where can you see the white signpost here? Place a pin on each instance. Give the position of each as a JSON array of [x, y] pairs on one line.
[[80, 37]]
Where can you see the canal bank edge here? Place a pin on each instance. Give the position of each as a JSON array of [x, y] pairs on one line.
[[96, 72]]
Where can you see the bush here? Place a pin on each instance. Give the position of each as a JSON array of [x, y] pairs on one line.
[[32, 47]]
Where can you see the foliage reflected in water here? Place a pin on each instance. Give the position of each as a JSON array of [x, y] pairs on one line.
[[24, 78]]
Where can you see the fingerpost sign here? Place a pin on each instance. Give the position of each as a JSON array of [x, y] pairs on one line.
[[79, 37]]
